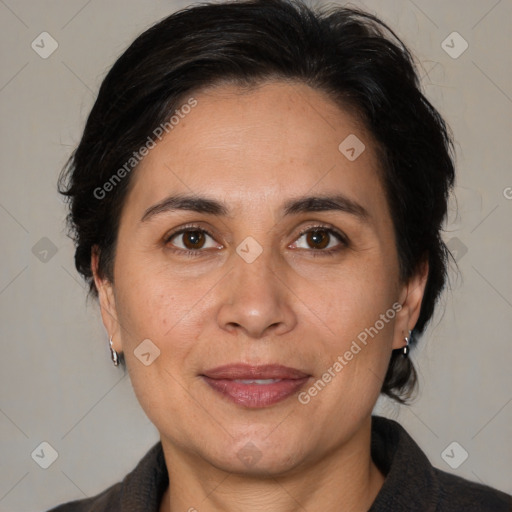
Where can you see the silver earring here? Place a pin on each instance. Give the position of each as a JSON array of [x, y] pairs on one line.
[[113, 354], [405, 351]]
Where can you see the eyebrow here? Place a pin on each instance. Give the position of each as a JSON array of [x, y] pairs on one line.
[[192, 203], [324, 203], [305, 204]]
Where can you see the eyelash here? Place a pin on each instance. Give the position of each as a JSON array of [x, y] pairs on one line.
[[186, 229], [342, 239], [315, 252]]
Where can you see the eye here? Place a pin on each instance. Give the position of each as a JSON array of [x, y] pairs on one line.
[[320, 239], [192, 239]]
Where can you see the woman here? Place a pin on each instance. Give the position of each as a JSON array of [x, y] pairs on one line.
[[257, 201]]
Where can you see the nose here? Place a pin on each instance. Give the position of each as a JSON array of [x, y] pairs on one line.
[[256, 299]]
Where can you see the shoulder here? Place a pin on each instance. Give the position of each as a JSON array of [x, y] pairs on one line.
[[108, 500], [456, 493], [413, 483], [140, 491]]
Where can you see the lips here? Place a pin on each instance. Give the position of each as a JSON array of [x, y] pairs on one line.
[[245, 372], [255, 386]]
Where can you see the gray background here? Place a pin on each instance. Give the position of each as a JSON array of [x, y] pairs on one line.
[[57, 383]]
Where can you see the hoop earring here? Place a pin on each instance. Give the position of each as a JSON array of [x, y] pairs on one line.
[[405, 351], [113, 354]]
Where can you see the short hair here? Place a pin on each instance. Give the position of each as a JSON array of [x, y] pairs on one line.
[[347, 53]]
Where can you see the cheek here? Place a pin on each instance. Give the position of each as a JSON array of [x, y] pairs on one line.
[[354, 354], [153, 302], [170, 313], [353, 309], [348, 299]]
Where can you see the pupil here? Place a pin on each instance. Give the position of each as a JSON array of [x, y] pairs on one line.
[[193, 239], [319, 239]]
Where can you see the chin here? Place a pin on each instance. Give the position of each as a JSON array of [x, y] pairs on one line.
[[259, 456], [258, 465]]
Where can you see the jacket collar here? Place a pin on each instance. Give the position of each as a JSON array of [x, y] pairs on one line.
[[411, 481]]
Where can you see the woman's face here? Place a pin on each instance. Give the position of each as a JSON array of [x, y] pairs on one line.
[[283, 254]]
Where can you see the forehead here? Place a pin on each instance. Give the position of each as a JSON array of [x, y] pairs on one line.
[[257, 144]]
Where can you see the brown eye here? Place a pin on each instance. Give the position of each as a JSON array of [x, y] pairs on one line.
[[318, 238], [193, 239], [321, 240], [190, 239]]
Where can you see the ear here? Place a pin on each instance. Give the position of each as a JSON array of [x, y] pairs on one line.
[[107, 301], [411, 296]]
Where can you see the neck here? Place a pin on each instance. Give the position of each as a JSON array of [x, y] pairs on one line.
[[344, 479]]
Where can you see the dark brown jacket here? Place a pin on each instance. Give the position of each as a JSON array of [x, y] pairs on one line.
[[412, 483]]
